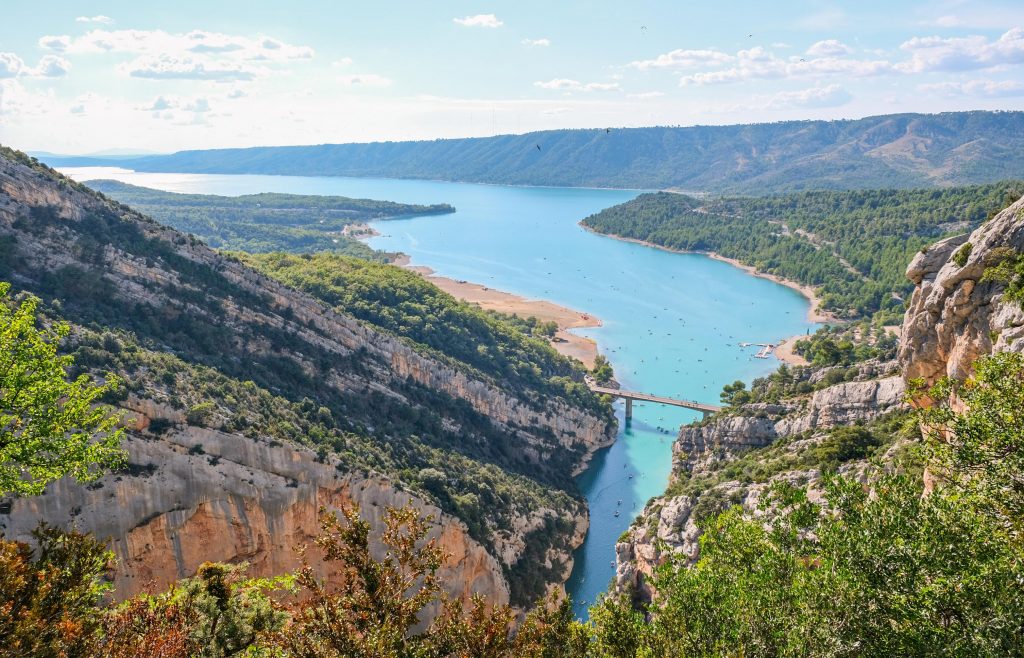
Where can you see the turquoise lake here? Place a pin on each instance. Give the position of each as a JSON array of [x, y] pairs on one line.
[[671, 322]]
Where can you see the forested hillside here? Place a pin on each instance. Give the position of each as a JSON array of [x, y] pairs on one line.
[[259, 223], [491, 436], [852, 246], [900, 150]]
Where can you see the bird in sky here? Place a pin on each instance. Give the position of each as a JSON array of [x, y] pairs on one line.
[[538, 147]]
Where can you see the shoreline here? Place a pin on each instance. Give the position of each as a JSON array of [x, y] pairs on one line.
[[784, 352], [565, 342], [814, 313]]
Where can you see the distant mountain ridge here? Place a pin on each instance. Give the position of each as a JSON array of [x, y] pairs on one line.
[[892, 151]]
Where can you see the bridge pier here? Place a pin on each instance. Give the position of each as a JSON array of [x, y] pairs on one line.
[[629, 408]]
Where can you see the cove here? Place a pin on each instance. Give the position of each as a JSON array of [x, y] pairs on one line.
[[671, 322]]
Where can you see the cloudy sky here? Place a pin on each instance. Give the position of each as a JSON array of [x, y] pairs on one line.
[[83, 77]]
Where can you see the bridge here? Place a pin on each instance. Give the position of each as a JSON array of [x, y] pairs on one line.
[[629, 396]]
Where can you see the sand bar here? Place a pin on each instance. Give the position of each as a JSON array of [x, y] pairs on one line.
[[490, 299]]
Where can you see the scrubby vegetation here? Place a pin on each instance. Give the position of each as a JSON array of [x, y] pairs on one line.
[[852, 246], [501, 347]]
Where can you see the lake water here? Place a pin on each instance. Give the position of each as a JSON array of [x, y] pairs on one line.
[[672, 322]]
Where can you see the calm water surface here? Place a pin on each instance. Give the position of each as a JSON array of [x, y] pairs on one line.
[[672, 322]]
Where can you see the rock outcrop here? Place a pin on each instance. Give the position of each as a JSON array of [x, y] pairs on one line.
[[955, 315], [669, 524]]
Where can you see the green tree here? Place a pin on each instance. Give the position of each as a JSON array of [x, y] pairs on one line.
[[878, 571], [217, 613], [981, 450], [735, 394], [50, 598], [49, 427]]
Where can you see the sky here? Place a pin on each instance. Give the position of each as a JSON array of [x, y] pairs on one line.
[[129, 76]]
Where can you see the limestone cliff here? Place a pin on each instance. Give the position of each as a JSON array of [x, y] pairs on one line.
[[194, 494], [245, 494], [955, 316], [704, 453]]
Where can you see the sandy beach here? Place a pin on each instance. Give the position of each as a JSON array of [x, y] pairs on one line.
[[784, 352], [814, 314], [565, 342]]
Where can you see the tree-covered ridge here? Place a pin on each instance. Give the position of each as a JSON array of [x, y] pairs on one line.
[[899, 150], [235, 351], [852, 246], [264, 222], [404, 303]]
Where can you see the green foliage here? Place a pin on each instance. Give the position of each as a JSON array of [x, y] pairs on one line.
[[49, 427], [962, 254], [883, 571], [217, 613], [1006, 267], [981, 450], [847, 344], [50, 598], [403, 303], [734, 394], [265, 222], [851, 246], [602, 371]]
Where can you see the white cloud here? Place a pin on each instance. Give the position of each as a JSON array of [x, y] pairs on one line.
[[829, 48], [480, 20], [343, 62], [53, 42], [683, 59], [10, 65], [948, 21], [50, 66], [977, 88], [364, 80], [238, 93], [760, 64], [168, 67], [963, 53], [646, 95], [565, 84], [536, 42], [197, 42], [830, 96], [95, 19]]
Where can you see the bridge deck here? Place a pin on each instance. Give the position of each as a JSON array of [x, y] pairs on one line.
[[645, 397]]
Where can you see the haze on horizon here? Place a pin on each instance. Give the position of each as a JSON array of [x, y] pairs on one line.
[[87, 77]]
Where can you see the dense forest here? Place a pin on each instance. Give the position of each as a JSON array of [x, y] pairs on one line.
[[900, 150], [852, 246], [258, 223]]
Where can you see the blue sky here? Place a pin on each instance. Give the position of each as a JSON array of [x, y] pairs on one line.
[[90, 76]]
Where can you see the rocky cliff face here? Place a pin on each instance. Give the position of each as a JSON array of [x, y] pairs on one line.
[[195, 494], [954, 315], [245, 497], [670, 524]]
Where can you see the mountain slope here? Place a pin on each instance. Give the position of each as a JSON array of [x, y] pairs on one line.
[[900, 150], [237, 380]]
